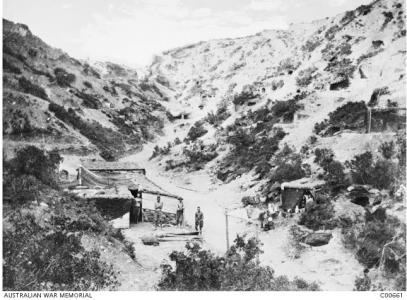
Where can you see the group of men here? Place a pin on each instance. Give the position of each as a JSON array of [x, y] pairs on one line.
[[158, 206], [273, 211]]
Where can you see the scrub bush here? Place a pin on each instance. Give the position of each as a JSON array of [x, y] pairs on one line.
[[238, 270], [30, 88]]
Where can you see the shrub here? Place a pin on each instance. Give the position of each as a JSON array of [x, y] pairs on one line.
[[63, 78], [221, 115], [199, 154], [237, 270], [161, 151], [243, 97], [374, 99], [388, 16], [349, 116], [30, 88], [306, 76], [335, 175], [9, 67], [342, 69], [288, 166], [331, 32], [20, 190], [285, 109], [364, 170], [87, 84], [361, 167], [323, 156], [373, 236], [38, 163], [334, 171], [107, 140], [384, 174], [249, 152], [196, 131], [311, 44], [177, 141], [319, 215], [90, 101], [387, 149], [295, 242], [38, 258], [288, 65], [363, 283]]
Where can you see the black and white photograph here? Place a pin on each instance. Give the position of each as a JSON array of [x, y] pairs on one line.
[[203, 145]]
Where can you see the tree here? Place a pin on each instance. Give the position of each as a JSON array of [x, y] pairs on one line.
[[36, 162], [361, 167], [288, 165]]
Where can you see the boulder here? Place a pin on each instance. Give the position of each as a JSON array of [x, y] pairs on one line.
[[318, 238], [150, 240]]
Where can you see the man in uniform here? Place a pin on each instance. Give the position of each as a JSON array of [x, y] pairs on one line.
[[158, 206], [199, 220], [180, 212]]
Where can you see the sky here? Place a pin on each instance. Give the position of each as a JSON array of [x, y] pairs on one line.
[[132, 31]]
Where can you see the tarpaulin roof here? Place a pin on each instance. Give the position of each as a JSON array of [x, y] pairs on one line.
[[303, 183], [99, 165]]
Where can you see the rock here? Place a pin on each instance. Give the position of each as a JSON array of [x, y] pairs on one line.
[[374, 191], [318, 238], [150, 240], [346, 210]]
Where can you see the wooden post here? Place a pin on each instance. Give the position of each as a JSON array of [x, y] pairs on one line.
[[80, 175], [369, 119], [227, 229], [257, 238]]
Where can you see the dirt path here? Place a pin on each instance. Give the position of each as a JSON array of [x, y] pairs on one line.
[[332, 266]]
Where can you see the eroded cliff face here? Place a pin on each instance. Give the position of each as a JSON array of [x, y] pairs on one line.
[[56, 101], [288, 79]]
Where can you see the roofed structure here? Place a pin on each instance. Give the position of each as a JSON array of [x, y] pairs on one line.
[[303, 183], [107, 166]]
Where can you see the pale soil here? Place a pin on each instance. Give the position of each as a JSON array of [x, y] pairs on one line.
[[332, 266]]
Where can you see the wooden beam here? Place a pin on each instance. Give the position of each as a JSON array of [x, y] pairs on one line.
[[160, 194]]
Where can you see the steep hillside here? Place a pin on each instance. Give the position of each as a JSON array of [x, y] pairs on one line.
[[54, 100], [291, 79]]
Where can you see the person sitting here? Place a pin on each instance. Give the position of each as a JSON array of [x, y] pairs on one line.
[[269, 224]]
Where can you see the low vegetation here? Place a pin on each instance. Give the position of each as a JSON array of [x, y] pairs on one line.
[[379, 243], [42, 247], [110, 143], [238, 270], [287, 166], [306, 76], [196, 131], [63, 78], [28, 87], [319, 214], [349, 116], [89, 100], [10, 67], [219, 116], [334, 171], [379, 173]]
